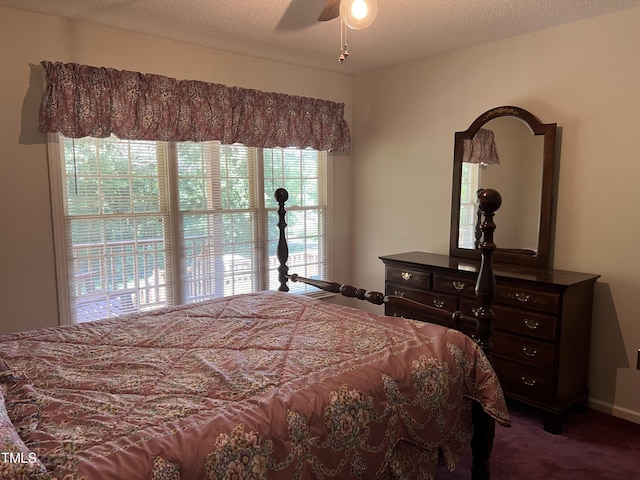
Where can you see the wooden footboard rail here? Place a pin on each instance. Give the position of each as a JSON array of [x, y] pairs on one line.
[[489, 201], [378, 298]]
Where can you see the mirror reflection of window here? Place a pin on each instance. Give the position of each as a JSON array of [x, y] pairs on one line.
[[479, 153], [471, 173]]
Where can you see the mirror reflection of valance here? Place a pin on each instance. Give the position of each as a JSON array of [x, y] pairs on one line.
[[481, 149], [84, 101]]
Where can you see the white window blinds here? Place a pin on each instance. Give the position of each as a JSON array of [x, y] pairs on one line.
[[116, 224], [219, 219], [302, 173], [141, 225]]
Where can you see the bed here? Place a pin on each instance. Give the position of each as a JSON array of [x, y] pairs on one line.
[[269, 385]]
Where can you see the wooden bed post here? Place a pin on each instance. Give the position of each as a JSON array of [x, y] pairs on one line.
[[283, 249], [489, 201], [483, 424]]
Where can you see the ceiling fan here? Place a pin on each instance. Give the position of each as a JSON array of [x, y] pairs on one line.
[[357, 14]]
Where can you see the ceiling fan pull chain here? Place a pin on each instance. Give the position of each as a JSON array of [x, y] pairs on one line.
[[343, 41]]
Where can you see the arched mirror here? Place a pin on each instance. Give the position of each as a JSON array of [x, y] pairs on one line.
[[510, 150]]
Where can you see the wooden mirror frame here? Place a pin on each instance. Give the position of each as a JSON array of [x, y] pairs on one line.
[[542, 256]]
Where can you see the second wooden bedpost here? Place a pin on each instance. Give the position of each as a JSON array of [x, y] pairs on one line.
[[489, 201], [283, 249], [483, 424]]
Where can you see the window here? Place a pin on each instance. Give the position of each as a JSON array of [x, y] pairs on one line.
[[142, 225]]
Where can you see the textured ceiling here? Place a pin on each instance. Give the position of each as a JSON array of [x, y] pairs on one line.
[[287, 30]]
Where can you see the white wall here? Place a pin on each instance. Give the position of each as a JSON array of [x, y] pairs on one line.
[[585, 77], [27, 276]]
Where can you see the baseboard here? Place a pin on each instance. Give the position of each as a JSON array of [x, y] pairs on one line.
[[621, 412]]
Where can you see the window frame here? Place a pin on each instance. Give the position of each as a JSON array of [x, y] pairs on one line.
[[64, 269]]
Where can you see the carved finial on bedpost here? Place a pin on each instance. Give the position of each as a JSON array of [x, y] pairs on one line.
[[282, 196], [489, 201]]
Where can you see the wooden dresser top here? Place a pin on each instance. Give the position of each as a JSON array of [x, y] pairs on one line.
[[446, 262]]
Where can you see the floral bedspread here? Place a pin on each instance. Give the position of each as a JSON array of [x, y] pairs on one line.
[[267, 385]]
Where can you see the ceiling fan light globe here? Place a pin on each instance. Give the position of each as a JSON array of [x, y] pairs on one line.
[[358, 14]]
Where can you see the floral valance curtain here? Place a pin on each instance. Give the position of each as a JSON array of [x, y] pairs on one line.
[[84, 101]]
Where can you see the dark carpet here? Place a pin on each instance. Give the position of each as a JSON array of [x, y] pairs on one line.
[[593, 446]]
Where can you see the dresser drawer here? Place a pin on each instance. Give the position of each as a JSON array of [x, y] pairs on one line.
[[522, 381], [433, 299], [517, 321], [531, 352], [527, 323], [455, 285], [408, 277], [547, 302]]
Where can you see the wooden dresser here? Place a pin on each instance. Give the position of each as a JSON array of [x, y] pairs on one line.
[[541, 330]]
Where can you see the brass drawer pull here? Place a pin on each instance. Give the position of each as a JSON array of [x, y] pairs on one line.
[[457, 285], [405, 276], [529, 352], [438, 303], [529, 382], [522, 297], [531, 324], [398, 293]]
